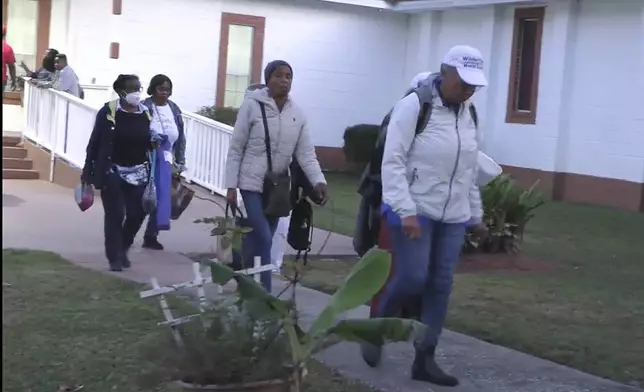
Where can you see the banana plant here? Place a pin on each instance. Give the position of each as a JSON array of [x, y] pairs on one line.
[[365, 279]]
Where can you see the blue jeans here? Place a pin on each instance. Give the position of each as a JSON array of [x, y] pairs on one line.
[[259, 241], [423, 267]]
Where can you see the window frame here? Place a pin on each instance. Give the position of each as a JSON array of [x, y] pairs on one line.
[[513, 115], [258, 23], [42, 40]]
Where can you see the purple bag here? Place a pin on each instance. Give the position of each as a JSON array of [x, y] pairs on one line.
[[84, 196]]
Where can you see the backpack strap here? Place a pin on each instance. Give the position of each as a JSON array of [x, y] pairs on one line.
[[474, 115], [426, 98]]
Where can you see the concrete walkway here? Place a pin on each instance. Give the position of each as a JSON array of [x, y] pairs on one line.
[[39, 215]]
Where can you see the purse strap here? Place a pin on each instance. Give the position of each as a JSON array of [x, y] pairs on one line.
[[235, 210], [267, 137], [152, 158]]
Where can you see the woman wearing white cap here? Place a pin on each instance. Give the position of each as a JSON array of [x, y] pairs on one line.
[[430, 197]]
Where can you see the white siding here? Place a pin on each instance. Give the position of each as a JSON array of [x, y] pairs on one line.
[[348, 61], [351, 64], [607, 119], [589, 115]]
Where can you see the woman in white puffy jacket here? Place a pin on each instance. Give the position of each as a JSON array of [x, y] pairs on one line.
[[270, 111]]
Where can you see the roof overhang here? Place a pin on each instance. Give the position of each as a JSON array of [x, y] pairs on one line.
[[426, 5]]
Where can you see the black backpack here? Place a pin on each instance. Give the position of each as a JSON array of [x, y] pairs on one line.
[[368, 221]]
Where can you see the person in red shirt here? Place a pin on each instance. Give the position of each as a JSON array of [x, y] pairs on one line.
[[8, 62]]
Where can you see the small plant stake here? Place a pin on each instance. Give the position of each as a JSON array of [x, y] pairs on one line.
[[167, 313], [198, 283]]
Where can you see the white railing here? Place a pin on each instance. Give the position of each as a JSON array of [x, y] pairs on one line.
[[206, 150], [96, 95], [59, 122], [62, 124]]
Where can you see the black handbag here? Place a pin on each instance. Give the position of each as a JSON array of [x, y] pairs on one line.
[[300, 229], [276, 191], [238, 260]]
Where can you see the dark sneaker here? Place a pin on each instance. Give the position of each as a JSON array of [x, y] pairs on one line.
[[371, 354], [116, 267], [152, 243], [426, 369], [125, 261]]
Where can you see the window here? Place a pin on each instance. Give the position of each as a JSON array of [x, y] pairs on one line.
[[27, 24], [524, 66], [22, 30], [241, 48]]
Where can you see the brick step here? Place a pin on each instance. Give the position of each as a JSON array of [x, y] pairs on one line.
[[14, 152], [11, 141], [18, 174], [16, 163]]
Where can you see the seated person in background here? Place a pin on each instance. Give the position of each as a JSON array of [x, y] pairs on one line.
[[65, 79]]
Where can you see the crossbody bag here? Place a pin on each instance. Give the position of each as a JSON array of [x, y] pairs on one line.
[[276, 190]]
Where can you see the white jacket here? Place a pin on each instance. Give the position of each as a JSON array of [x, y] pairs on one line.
[[247, 164], [433, 173]]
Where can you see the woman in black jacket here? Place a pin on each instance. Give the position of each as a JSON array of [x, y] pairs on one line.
[[117, 163]]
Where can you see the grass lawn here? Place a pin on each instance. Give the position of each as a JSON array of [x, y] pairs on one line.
[[586, 312], [65, 325]]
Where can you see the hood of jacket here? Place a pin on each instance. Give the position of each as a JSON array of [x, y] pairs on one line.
[[260, 95]]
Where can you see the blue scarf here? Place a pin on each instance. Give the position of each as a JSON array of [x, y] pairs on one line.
[[163, 182]]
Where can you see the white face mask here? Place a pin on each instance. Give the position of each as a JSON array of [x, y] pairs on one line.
[[134, 98]]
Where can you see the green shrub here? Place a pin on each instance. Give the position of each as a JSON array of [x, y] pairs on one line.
[[222, 115], [359, 142], [507, 208]]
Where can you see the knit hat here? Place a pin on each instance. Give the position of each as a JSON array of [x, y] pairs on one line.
[[273, 66]]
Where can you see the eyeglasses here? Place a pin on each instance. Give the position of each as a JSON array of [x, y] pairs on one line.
[[134, 90], [466, 87], [163, 89]]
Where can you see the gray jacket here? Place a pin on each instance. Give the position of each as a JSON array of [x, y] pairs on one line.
[[247, 162]]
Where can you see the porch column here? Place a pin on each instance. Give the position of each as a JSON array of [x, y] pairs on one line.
[[564, 34]]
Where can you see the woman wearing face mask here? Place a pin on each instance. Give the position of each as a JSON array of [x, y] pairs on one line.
[[247, 166], [117, 163], [168, 123]]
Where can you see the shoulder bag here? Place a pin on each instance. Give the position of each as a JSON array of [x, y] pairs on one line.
[[276, 191]]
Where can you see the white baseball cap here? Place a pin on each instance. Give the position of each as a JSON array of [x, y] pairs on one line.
[[468, 62]]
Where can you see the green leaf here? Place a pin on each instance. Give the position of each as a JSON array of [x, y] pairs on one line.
[[378, 331], [221, 274], [248, 289], [366, 278], [217, 231], [297, 349]]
